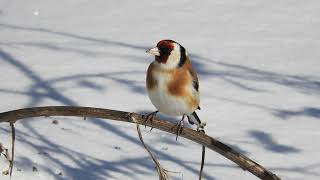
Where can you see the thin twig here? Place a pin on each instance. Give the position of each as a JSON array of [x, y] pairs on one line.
[[161, 172], [13, 133], [1, 148], [201, 138], [203, 154], [202, 161], [4, 151]]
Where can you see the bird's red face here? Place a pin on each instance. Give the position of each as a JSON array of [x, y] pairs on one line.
[[162, 51]]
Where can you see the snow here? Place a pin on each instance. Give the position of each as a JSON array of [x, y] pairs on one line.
[[258, 63]]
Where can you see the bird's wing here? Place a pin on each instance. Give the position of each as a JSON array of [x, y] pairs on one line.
[[195, 81]]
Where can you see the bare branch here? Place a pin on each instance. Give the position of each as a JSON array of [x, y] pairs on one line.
[[202, 161], [13, 133], [201, 138]]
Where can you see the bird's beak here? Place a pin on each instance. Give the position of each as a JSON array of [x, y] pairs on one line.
[[155, 51]]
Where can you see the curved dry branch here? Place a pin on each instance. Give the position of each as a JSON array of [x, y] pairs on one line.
[[201, 138]]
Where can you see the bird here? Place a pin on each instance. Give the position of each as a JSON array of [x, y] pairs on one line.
[[172, 84]]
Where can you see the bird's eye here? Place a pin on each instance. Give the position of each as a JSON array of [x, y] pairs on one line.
[[164, 50]]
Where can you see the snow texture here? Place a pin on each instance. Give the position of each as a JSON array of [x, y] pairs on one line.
[[258, 64]]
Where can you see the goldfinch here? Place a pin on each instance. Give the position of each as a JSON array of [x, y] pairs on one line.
[[172, 83]]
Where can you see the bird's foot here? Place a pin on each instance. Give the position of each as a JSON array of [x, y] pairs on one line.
[[179, 127], [200, 127], [149, 117]]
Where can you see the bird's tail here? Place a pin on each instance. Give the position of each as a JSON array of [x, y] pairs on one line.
[[194, 119]]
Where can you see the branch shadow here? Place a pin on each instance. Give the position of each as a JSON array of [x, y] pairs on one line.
[[53, 93], [234, 73], [270, 144], [285, 114], [312, 112], [74, 36]]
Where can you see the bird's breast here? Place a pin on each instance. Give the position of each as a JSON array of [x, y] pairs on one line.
[[170, 95]]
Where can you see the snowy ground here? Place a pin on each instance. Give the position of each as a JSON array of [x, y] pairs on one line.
[[259, 69]]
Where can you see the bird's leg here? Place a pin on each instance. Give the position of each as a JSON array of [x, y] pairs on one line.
[[179, 127], [149, 117]]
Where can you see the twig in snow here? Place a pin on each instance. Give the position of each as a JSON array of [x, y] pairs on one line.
[[161, 172], [5, 152], [202, 161], [13, 133], [202, 158]]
